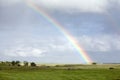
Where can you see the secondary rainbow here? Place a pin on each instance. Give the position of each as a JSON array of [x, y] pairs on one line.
[[70, 38]]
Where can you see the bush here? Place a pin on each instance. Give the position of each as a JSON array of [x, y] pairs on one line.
[[111, 68], [94, 63]]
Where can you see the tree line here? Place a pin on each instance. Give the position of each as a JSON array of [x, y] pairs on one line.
[[17, 63]]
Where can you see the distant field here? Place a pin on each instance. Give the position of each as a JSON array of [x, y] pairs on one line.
[[87, 72]]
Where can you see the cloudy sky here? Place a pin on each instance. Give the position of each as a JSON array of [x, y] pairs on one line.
[[26, 35]]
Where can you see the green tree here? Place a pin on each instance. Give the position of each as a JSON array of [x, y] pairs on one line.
[[94, 63], [32, 64], [17, 63], [13, 63]]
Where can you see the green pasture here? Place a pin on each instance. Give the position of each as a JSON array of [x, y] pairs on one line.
[[95, 72]]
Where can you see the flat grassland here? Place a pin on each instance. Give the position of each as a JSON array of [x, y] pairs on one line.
[[73, 72]]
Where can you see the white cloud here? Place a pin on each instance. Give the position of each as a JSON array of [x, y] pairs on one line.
[[61, 47], [116, 42], [100, 43], [74, 5], [70, 6], [66, 5], [25, 52]]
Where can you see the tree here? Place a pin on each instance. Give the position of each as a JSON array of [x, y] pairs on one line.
[[32, 64], [94, 63], [25, 63], [13, 63], [6, 63], [17, 63]]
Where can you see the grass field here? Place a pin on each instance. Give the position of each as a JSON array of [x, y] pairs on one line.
[[88, 74], [60, 74]]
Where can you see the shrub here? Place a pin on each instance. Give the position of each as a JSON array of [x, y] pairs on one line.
[[94, 63], [111, 68]]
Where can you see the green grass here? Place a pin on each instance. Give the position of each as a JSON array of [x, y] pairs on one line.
[[60, 74]]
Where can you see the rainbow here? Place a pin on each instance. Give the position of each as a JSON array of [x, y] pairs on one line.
[[69, 37]]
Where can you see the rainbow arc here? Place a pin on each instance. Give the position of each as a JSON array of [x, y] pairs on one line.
[[56, 24]]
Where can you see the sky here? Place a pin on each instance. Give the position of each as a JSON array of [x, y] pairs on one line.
[[26, 35]]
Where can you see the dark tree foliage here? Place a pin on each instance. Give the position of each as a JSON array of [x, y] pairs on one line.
[[13, 63], [17, 63], [94, 63], [32, 64]]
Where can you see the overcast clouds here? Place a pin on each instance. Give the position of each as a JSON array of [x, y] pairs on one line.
[[26, 35]]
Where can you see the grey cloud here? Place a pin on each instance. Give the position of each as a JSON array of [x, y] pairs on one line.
[[24, 31], [100, 43]]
